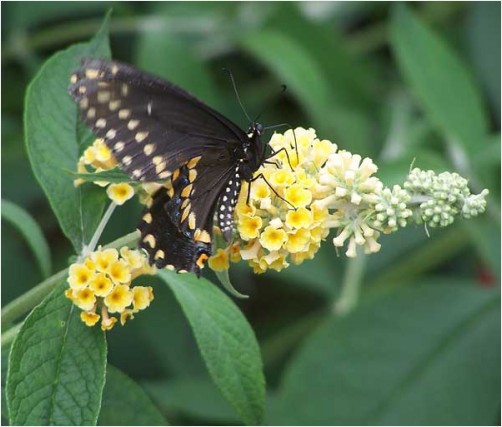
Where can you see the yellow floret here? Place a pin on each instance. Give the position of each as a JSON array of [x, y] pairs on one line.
[[119, 299], [90, 319], [120, 193], [102, 153], [249, 227], [282, 177], [79, 276], [125, 315], [299, 218], [104, 258], [260, 190], [119, 272], [133, 258], [84, 299], [219, 261], [142, 296], [273, 238], [101, 285], [108, 323], [298, 196], [298, 241]]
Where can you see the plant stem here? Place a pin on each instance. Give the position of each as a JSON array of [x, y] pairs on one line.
[[34, 296], [9, 335], [69, 32], [30, 299], [99, 230], [351, 285]]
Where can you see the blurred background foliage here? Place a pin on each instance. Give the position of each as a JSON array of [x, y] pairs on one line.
[[399, 84]]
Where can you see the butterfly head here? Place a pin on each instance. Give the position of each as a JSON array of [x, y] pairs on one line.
[[253, 150]]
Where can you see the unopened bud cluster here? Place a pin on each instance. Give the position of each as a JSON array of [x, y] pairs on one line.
[[441, 197]]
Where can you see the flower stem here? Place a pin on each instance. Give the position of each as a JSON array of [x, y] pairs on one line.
[[34, 296], [351, 285], [99, 230]]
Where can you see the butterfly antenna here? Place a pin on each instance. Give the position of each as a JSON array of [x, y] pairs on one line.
[[226, 70], [283, 89]]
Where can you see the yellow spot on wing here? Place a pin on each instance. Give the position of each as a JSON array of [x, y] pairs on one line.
[[91, 73], [150, 240], [186, 211], [193, 162], [186, 191], [200, 261], [191, 220], [147, 218], [132, 124], [160, 254]]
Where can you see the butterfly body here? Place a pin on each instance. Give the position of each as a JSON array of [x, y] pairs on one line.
[[160, 133]]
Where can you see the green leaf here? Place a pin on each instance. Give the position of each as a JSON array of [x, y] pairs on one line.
[[193, 397], [483, 21], [293, 65], [439, 79], [126, 404], [30, 230], [226, 341], [297, 66], [57, 367], [485, 236], [423, 355], [114, 175], [52, 142], [175, 59], [224, 278]]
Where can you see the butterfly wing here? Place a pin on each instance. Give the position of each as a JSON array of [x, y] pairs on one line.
[[157, 131], [177, 228], [152, 126]]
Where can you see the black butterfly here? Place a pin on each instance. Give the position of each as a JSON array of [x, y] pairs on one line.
[[157, 131]]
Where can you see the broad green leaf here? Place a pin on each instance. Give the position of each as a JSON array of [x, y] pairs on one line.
[[226, 341], [483, 21], [297, 67], [423, 355], [197, 398], [293, 65], [439, 79], [485, 235], [30, 230], [175, 60], [347, 77], [52, 140], [125, 403], [57, 367]]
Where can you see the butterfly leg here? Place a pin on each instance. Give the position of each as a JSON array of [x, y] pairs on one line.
[[274, 153], [294, 137], [271, 187]]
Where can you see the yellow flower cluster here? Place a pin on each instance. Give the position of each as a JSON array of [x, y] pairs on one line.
[[283, 221], [97, 158], [102, 282]]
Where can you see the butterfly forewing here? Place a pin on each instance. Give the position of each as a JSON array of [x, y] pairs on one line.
[[151, 126]]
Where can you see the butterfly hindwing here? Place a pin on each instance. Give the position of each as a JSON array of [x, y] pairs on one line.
[[165, 244]]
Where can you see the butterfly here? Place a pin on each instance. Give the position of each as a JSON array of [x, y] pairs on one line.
[[159, 132]]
